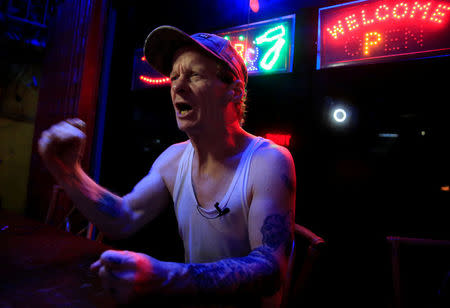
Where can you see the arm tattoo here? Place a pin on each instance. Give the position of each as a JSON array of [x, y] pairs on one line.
[[277, 230], [257, 273], [108, 205]]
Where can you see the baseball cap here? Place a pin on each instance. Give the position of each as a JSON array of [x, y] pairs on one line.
[[162, 43]]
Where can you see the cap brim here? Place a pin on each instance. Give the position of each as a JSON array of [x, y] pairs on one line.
[[161, 45]]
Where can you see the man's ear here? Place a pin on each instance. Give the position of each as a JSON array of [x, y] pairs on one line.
[[236, 91]]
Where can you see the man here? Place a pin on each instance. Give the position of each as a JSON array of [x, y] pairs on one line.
[[234, 193]]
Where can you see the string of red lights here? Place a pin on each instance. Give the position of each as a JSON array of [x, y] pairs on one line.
[[155, 81]]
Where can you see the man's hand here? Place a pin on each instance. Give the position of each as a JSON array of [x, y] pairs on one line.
[[127, 275], [62, 145]]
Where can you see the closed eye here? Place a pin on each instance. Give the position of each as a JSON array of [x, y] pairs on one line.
[[196, 74]]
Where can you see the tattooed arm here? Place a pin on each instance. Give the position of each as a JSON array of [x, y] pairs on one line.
[[61, 148], [115, 216], [261, 272]]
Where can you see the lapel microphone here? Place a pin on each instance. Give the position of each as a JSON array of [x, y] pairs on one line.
[[221, 212]]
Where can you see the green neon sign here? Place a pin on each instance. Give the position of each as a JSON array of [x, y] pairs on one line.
[[267, 46]]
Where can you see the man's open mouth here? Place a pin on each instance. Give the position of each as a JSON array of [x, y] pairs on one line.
[[183, 108]]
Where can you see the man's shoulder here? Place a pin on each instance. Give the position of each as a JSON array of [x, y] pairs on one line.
[[172, 154], [175, 149], [166, 165], [272, 168], [272, 155]]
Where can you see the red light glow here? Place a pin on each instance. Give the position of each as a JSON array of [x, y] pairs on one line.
[[254, 5], [281, 139], [155, 81], [363, 29]]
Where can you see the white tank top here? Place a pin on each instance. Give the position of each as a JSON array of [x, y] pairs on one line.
[[208, 237]]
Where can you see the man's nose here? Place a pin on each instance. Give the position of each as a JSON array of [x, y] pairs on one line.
[[179, 85]]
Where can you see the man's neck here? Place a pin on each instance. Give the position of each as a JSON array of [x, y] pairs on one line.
[[217, 146]]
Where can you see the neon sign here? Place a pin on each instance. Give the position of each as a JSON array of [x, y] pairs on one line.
[[371, 31], [155, 81], [144, 76], [266, 46], [281, 139]]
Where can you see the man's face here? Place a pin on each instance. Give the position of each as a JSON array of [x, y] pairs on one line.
[[198, 96]]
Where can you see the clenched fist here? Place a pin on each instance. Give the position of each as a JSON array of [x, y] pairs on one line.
[[126, 275], [62, 146]]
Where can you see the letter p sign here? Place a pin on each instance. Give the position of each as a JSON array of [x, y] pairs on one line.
[[371, 39]]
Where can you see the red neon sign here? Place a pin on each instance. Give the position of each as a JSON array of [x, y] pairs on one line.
[[281, 139], [374, 31], [155, 81]]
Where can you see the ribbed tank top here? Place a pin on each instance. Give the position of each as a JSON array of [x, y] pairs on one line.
[[208, 237]]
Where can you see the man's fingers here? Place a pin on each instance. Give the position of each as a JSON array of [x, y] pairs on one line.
[[77, 123], [117, 284], [107, 273], [118, 271], [95, 266], [43, 142], [115, 259], [60, 134], [110, 259], [65, 130]]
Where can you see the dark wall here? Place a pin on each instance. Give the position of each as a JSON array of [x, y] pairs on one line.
[[354, 188]]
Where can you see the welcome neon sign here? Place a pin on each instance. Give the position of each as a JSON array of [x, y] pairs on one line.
[[372, 31], [266, 46]]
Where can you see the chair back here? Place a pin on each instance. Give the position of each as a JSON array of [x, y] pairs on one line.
[[306, 250], [420, 272]]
